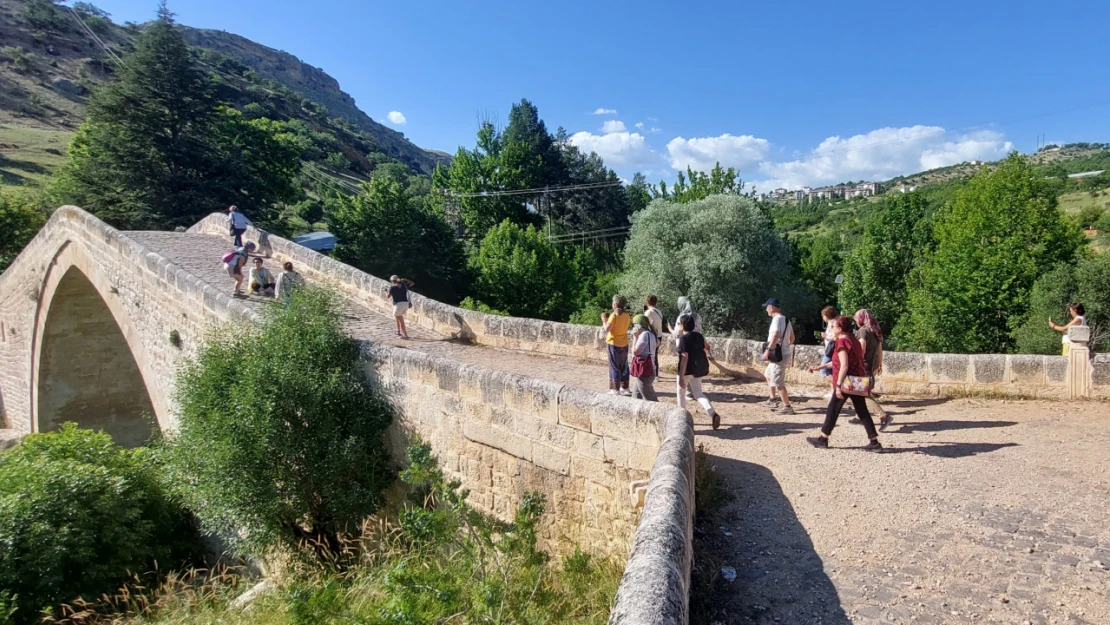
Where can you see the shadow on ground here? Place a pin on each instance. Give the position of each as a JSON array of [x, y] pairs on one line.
[[779, 576]]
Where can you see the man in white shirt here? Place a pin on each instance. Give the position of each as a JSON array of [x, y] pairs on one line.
[[780, 335], [236, 224]]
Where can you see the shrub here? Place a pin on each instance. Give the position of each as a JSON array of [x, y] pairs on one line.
[[281, 437], [77, 514], [721, 251], [20, 220]]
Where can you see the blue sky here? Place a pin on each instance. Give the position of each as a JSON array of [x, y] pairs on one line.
[[791, 93]]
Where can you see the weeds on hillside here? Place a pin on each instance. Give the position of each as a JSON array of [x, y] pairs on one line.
[[435, 561]]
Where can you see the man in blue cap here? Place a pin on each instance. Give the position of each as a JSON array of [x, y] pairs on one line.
[[780, 342]]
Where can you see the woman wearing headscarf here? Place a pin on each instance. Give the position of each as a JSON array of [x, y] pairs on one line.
[[870, 337], [686, 310], [644, 363]]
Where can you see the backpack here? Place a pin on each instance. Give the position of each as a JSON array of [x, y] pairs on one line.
[[229, 257]]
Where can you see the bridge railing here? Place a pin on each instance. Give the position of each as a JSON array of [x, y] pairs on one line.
[[1018, 375]]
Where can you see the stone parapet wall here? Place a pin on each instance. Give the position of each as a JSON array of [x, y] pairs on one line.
[[1016, 375], [504, 435]]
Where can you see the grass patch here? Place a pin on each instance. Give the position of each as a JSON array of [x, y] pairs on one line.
[[435, 560], [29, 155], [1078, 201]]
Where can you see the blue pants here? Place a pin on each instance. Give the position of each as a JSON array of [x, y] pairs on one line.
[[618, 364]]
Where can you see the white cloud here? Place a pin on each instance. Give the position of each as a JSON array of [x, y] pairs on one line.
[[655, 130], [613, 125], [604, 111], [639, 124], [396, 118], [618, 149], [652, 119], [881, 154], [702, 153]]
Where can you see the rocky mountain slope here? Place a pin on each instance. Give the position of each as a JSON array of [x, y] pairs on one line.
[[316, 85], [49, 64]]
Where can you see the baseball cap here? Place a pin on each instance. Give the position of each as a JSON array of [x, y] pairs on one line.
[[773, 302]]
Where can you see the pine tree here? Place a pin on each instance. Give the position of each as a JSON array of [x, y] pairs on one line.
[[158, 150]]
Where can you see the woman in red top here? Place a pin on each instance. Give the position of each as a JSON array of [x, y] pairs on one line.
[[847, 360]]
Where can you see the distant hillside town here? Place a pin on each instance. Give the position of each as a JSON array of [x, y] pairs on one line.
[[837, 192]]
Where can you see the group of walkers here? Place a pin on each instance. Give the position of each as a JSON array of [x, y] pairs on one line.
[[852, 360], [260, 281]]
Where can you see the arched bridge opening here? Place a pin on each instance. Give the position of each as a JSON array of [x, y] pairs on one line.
[[86, 371]]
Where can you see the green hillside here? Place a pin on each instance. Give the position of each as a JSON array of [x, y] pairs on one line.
[[49, 64]]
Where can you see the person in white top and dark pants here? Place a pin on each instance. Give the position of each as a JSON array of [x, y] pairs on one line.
[[236, 224]]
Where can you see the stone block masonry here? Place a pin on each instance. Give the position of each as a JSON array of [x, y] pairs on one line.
[[504, 435]]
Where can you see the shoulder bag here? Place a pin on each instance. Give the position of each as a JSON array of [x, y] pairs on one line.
[[775, 354], [856, 385]]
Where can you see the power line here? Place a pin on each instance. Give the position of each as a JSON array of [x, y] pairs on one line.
[[91, 34]]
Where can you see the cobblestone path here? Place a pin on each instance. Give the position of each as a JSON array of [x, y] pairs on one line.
[[980, 511]]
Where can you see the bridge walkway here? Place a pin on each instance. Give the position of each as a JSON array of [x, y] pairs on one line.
[[984, 511]]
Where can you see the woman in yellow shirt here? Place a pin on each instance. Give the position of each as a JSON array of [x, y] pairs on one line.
[[615, 326]]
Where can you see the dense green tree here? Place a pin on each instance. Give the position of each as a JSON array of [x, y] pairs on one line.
[[280, 435], [520, 273], [698, 185], [20, 220], [79, 516], [159, 151], [473, 173], [1086, 282], [819, 260], [721, 251], [1002, 232], [384, 231], [526, 158], [878, 269]]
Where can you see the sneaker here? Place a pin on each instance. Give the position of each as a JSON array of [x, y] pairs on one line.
[[689, 395], [788, 409], [625, 392], [771, 403], [820, 442], [885, 421], [716, 420], [873, 446], [614, 391]]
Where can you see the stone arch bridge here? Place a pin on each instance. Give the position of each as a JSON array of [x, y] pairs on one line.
[[94, 323]]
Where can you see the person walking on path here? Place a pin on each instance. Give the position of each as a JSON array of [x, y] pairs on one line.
[[236, 224], [615, 326], [655, 319], [234, 261], [287, 282], [645, 364], [870, 337], [693, 365], [828, 315], [847, 361], [686, 310], [780, 341], [399, 293], [260, 280], [1078, 318]]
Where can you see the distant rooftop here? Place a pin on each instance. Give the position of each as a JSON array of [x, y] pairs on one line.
[[1086, 174]]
